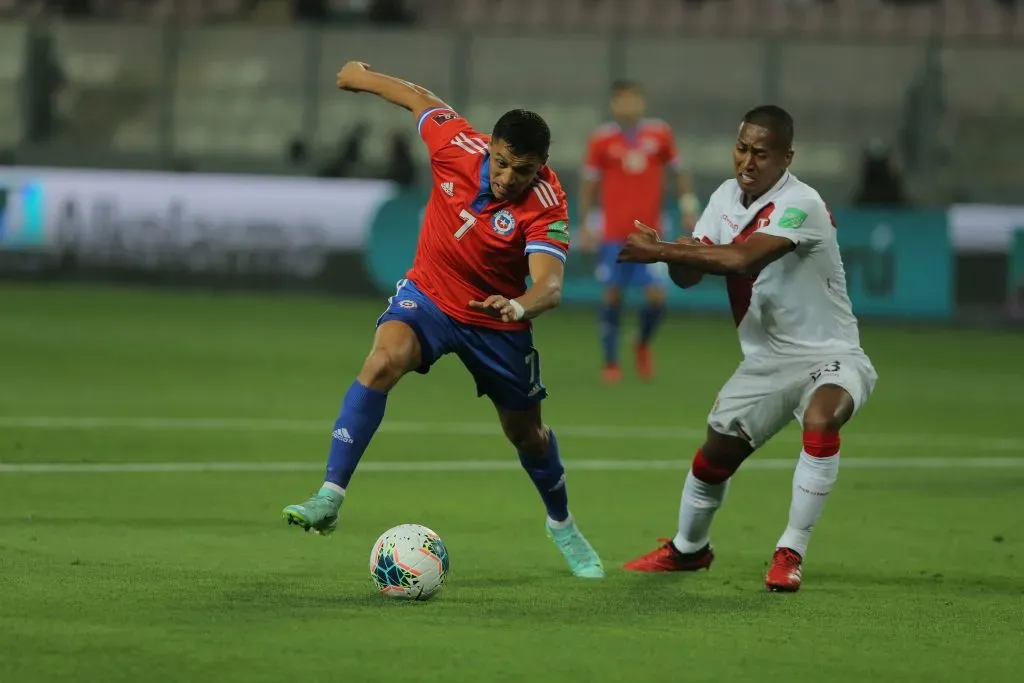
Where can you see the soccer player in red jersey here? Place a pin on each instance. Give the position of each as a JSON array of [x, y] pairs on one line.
[[496, 214], [627, 159]]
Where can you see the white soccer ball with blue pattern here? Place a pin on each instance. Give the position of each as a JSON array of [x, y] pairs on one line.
[[409, 561]]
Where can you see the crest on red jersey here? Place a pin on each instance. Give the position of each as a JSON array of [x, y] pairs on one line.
[[503, 222], [443, 117]]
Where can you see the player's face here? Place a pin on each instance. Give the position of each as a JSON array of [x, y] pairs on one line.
[[628, 105], [511, 175], [759, 159]]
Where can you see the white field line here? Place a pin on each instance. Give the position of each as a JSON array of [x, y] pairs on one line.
[[932, 440], [510, 464]]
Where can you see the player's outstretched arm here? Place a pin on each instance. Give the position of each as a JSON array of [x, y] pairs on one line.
[[357, 77], [547, 273], [745, 258]]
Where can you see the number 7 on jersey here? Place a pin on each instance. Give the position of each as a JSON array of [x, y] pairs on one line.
[[469, 219]]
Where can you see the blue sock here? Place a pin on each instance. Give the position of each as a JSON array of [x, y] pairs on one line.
[[549, 478], [610, 334], [650, 320], [360, 416]]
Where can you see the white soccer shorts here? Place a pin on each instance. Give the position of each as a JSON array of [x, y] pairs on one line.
[[765, 393]]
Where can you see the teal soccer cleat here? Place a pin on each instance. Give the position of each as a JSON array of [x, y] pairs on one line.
[[319, 513], [581, 556]]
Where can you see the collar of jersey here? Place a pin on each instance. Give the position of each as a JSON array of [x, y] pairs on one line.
[[484, 196]]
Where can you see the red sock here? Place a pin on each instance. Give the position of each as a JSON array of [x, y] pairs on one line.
[[821, 444], [708, 473]]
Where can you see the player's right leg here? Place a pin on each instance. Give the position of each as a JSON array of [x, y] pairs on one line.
[[703, 493], [609, 274], [410, 335]]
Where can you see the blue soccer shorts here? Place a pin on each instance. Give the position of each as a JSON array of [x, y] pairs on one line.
[[626, 275], [504, 363]]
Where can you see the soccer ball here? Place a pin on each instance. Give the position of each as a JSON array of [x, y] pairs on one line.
[[409, 561]]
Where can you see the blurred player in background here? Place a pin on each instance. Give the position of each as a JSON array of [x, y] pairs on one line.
[[774, 240], [628, 158], [496, 214]]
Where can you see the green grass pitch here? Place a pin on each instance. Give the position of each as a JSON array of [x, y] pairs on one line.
[[914, 574]]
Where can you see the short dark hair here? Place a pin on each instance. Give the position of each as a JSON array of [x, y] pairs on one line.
[[622, 85], [525, 133], [775, 119]]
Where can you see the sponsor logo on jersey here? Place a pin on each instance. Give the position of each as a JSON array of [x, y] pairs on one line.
[[443, 117], [792, 218], [448, 188], [559, 231], [503, 222]]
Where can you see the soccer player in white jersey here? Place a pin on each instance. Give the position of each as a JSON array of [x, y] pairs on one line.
[[774, 240]]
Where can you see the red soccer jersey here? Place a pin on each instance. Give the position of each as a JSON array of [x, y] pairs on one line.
[[472, 246], [631, 166]]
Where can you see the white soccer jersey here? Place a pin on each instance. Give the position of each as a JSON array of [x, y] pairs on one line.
[[797, 305]]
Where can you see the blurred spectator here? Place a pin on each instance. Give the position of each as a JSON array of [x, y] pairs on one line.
[[71, 8], [309, 10], [401, 166], [350, 153], [881, 183], [42, 81], [298, 153], [390, 12]]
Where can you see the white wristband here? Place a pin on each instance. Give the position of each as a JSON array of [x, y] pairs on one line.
[[518, 308]]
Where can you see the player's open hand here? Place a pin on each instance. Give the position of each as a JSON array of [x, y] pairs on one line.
[[641, 246], [498, 306], [350, 76]]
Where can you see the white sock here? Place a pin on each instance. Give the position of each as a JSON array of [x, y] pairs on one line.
[[334, 488], [560, 525], [697, 507], [812, 482]]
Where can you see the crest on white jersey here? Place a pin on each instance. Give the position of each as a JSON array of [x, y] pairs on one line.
[[503, 222], [448, 188]]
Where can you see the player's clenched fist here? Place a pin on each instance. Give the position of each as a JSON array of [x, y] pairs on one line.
[[509, 310], [349, 76], [641, 246]]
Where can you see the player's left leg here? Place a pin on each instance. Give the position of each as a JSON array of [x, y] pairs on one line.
[[506, 368], [651, 315], [838, 389], [614, 277]]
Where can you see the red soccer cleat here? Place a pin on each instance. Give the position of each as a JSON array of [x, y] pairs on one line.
[[611, 374], [644, 362], [785, 574], [667, 559]]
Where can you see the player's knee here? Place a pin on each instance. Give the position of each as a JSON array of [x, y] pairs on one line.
[[612, 296], [530, 440], [829, 409], [719, 458], [655, 296], [383, 368], [822, 422], [828, 415]]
